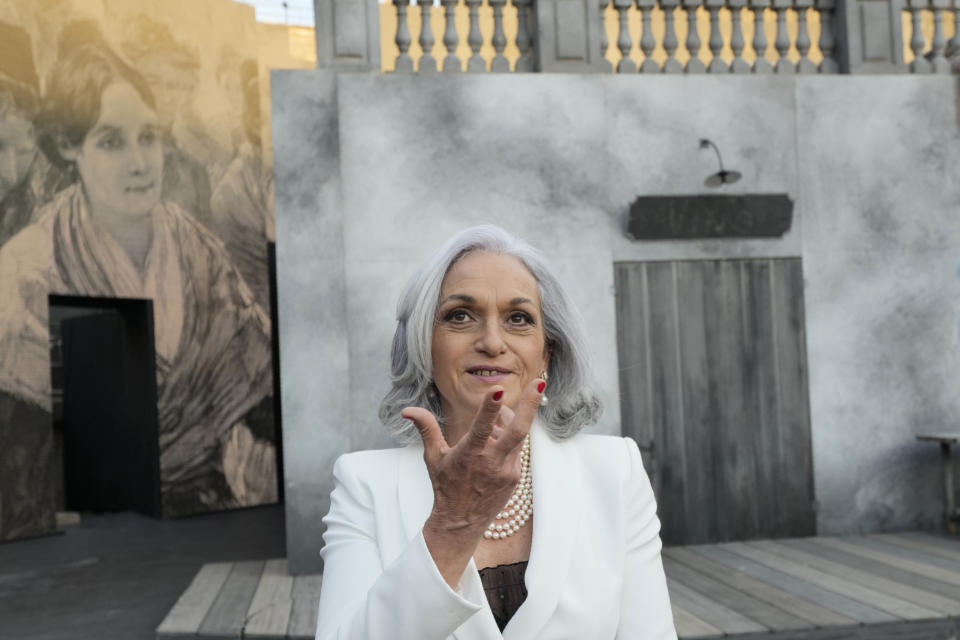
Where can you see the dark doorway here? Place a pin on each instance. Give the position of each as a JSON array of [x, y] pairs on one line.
[[105, 403], [713, 381]]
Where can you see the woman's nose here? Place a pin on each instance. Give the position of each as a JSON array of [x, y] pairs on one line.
[[138, 160], [491, 340]]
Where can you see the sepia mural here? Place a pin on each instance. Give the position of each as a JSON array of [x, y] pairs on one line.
[[132, 166]]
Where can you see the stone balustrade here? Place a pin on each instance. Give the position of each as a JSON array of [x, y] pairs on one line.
[[639, 36], [928, 49], [720, 36], [511, 25]]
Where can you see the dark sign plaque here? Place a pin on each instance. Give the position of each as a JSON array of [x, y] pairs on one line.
[[709, 216]]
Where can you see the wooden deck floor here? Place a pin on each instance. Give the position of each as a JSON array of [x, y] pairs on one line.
[[883, 586], [890, 586]]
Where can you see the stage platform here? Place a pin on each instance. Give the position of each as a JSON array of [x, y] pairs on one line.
[[903, 586]]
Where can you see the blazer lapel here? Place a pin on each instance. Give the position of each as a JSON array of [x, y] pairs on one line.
[[414, 492], [557, 497]]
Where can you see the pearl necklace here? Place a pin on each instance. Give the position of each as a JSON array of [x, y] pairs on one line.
[[519, 507]]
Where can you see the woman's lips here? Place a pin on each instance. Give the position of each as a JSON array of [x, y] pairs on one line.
[[496, 377], [142, 188]]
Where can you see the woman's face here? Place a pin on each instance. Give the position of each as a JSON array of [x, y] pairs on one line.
[[121, 158], [488, 331], [17, 149]]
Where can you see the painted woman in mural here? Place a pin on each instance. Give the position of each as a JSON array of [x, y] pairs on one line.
[[242, 202], [27, 180], [112, 234]]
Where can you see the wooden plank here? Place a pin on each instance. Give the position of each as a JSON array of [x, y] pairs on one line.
[[688, 301], [804, 609], [917, 555], [936, 603], [632, 343], [269, 612], [851, 545], [723, 618], [306, 598], [192, 606], [761, 392], [841, 604], [226, 616], [733, 431], [931, 543], [688, 625], [795, 481], [723, 593], [878, 568], [896, 607], [667, 405]]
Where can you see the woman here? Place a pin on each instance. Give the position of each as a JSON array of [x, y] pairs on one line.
[[562, 527], [111, 235]]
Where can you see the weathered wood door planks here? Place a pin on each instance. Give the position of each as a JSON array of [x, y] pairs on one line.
[[714, 389]]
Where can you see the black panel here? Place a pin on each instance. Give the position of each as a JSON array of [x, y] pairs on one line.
[[709, 216]]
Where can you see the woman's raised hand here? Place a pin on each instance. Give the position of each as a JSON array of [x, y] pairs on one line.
[[473, 479]]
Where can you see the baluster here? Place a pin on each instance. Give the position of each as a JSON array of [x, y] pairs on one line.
[[624, 42], [499, 62], [475, 38], [717, 65], [760, 44], [939, 60], [427, 64], [693, 43], [917, 42], [451, 63], [828, 41], [737, 43], [524, 39], [404, 61], [647, 42], [670, 42], [604, 38], [782, 41], [954, 44], [805, 64]]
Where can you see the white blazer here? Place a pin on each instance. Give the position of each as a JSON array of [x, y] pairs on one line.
[[594, 571]]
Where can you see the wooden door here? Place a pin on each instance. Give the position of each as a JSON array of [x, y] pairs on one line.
[[713, 382]]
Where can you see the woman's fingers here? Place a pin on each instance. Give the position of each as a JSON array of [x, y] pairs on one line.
[[483, 424], [516, 429], [426, 424]]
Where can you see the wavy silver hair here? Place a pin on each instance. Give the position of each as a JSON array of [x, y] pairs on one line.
[[572, 403]]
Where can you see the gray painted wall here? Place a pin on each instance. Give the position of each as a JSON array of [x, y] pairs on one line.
[[376, 171]]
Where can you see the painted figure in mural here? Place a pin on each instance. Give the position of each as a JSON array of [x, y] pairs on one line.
[[113, 233], [27, 180], [171, 70], [242, 203]]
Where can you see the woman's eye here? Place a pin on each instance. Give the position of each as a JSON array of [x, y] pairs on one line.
[[110, 142], [520, 318], [457, 316], [148, 138]]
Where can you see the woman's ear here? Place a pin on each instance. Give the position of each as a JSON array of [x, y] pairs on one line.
[[67, 151]]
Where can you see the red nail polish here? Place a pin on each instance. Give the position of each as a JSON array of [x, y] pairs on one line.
[[497, 395], [541, 386]]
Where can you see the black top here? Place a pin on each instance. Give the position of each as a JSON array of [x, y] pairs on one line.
[[505, 590]]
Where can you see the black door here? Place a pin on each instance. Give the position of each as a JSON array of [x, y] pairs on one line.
[[110, 444]]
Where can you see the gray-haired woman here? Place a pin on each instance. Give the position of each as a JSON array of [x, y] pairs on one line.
[[503, 520]]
